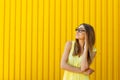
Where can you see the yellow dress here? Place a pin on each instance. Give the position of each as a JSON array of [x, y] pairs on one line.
[[74, 61]]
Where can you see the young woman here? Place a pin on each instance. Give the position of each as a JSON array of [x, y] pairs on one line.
[[78, 54]]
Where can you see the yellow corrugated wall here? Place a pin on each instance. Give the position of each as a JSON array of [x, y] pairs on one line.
[[33, 35]]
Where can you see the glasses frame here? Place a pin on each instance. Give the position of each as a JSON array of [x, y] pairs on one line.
[[80, 30]]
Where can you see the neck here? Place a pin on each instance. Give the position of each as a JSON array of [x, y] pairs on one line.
[[81, 42]]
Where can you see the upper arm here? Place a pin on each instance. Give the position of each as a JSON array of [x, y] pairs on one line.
[[66, 52]]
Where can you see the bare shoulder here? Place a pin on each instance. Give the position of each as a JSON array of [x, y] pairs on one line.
[[68, 43], [68, 46]]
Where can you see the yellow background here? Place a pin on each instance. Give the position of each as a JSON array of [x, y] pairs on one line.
[[33, 34]]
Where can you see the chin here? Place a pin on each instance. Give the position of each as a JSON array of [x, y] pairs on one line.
[[76, 37]]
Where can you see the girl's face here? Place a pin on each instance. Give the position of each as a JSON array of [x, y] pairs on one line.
[[80, 32]]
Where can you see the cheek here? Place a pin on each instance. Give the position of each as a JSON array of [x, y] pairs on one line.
[[81, 36]]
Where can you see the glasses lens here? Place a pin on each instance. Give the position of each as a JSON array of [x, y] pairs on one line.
[[80, 30]]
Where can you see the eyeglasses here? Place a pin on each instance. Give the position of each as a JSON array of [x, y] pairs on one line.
[[80, 30]]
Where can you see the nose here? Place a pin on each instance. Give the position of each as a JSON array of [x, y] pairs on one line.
[[77, 31]]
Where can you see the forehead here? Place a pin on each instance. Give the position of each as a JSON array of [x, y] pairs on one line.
[[81, 27]]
